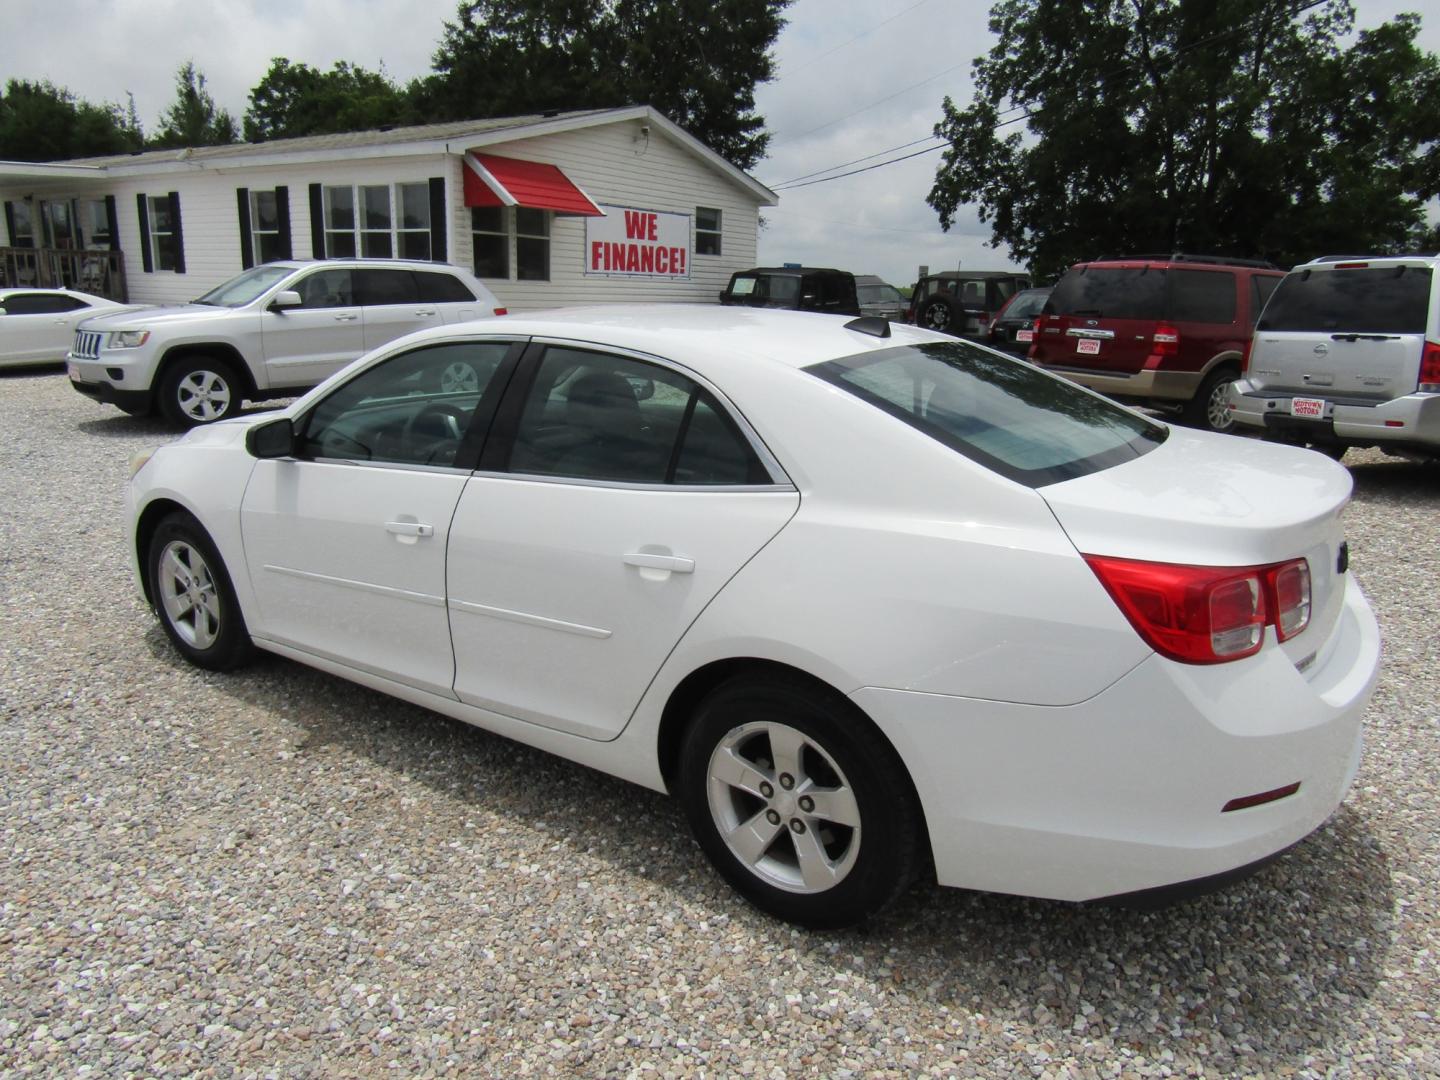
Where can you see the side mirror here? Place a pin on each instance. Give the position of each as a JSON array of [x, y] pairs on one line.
[[285, 298], [272, 439]]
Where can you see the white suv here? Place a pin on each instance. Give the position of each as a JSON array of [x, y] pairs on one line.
[[1347, 353], [272, 332]]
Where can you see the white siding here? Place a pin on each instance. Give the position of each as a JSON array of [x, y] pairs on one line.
[[614, 164]]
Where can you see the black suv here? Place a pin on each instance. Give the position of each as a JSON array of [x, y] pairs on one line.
[[963, 301], [800, 288]]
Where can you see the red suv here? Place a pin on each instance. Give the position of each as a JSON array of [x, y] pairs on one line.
[[1158, 330]]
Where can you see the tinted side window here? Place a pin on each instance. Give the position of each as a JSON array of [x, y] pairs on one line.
[[375, 287], [441, 288], [1205, 296], [326, 289], [593, 416], [1110, 292], [40, 304], [412, 409], [1383, 300], [1261, 286]]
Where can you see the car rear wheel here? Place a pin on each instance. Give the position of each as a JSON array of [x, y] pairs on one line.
[[193, 596], [936, 314], [199, 390], [1210, 407], [801, 805]]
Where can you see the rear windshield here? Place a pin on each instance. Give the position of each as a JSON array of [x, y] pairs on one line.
[[1027, 305], [1010, 417], [877, 294], [1119, 292], [1379, 300]]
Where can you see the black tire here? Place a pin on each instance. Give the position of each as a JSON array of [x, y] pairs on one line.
[[193, 597], [937, 314], [842, 759], [199, 390], [1208, 410]]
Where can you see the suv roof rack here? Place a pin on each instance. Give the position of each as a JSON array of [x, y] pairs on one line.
[[1397, 255], [1183, 257]]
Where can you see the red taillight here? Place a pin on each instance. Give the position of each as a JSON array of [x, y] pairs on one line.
[[1207, 614], [501, 311], [1430, 369], [1167, 340]]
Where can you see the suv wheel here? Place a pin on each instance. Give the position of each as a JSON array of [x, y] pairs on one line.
[[936, 314], [199, 390], [1210, 407]]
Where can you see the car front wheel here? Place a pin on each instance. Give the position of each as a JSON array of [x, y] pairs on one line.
[[193, 596], [800, 804], [199, 390]]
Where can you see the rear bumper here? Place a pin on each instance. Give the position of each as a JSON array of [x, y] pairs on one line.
[[1124, 792], [1147, 384], [1410, 421]]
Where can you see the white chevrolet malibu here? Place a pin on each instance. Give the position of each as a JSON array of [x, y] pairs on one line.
[[866, 599]]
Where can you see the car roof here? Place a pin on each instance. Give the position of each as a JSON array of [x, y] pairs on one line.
[[710, 338], [45, 290], [792, 270], [975, 275], [1345, 262]]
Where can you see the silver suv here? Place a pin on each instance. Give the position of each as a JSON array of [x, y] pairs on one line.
[[1347, 353], [272, 332]]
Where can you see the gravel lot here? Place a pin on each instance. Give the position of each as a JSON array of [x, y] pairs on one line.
[[280, 873]]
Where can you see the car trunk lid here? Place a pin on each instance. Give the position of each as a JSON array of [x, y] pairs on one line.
[[1209, 500], [1102, 318]]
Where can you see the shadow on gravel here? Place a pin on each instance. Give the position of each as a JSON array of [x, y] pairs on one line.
[[1249, 979], [112, 423], [1418, 485]]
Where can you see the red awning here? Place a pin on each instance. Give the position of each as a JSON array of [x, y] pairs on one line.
[[502, 181]]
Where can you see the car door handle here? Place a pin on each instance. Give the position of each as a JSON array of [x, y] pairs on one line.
[[676, 564], [409, 528], [424, 311], [347, 317]]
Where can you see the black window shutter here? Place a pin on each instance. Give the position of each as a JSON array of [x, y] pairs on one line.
[[114, 221], [317, 222], [179, 232], [247, 247], [10, 223], [282, 213], [146, 257], [437, 219]]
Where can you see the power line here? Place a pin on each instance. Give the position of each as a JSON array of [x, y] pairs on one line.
[[857, 37], [881, 101], [867, 157]]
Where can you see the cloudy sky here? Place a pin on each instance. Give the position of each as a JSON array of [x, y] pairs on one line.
[[855, 77]]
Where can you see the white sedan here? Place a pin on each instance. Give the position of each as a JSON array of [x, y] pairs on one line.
[[38, 325], [868, 600]]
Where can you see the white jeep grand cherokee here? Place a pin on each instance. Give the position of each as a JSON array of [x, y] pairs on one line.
[[271, 332]]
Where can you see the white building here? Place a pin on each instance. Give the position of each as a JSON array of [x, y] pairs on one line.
[[603, 206]]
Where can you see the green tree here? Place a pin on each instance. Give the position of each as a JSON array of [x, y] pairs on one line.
[[42, 122], [297, 99], [1227, 126], [697, 62], [194, 119]]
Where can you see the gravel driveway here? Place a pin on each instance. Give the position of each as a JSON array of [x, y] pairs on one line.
[[280, 873]]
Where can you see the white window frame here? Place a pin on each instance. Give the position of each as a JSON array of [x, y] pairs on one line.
[[256, 232], [153, 204], [394, 228], [548, 217], [717, 232], [512, 235], [506, 233]]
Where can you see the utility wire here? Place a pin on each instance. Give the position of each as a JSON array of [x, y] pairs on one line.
[[881, 101], [857, 37], [867, 157]]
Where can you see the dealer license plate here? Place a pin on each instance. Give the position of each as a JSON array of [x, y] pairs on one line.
[[1307, 406], [1024, 335], [1088, 346]]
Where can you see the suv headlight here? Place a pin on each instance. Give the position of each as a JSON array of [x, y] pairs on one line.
[[126, 339]]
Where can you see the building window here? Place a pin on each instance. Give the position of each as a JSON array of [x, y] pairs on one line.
[[265, 226], [490, 233], [532, 244], [22, 227], [413, 231], [164, 233], [392, 218], [95, 224], [707, 230]]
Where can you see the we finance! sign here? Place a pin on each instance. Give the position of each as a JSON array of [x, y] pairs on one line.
[[638, 243]]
